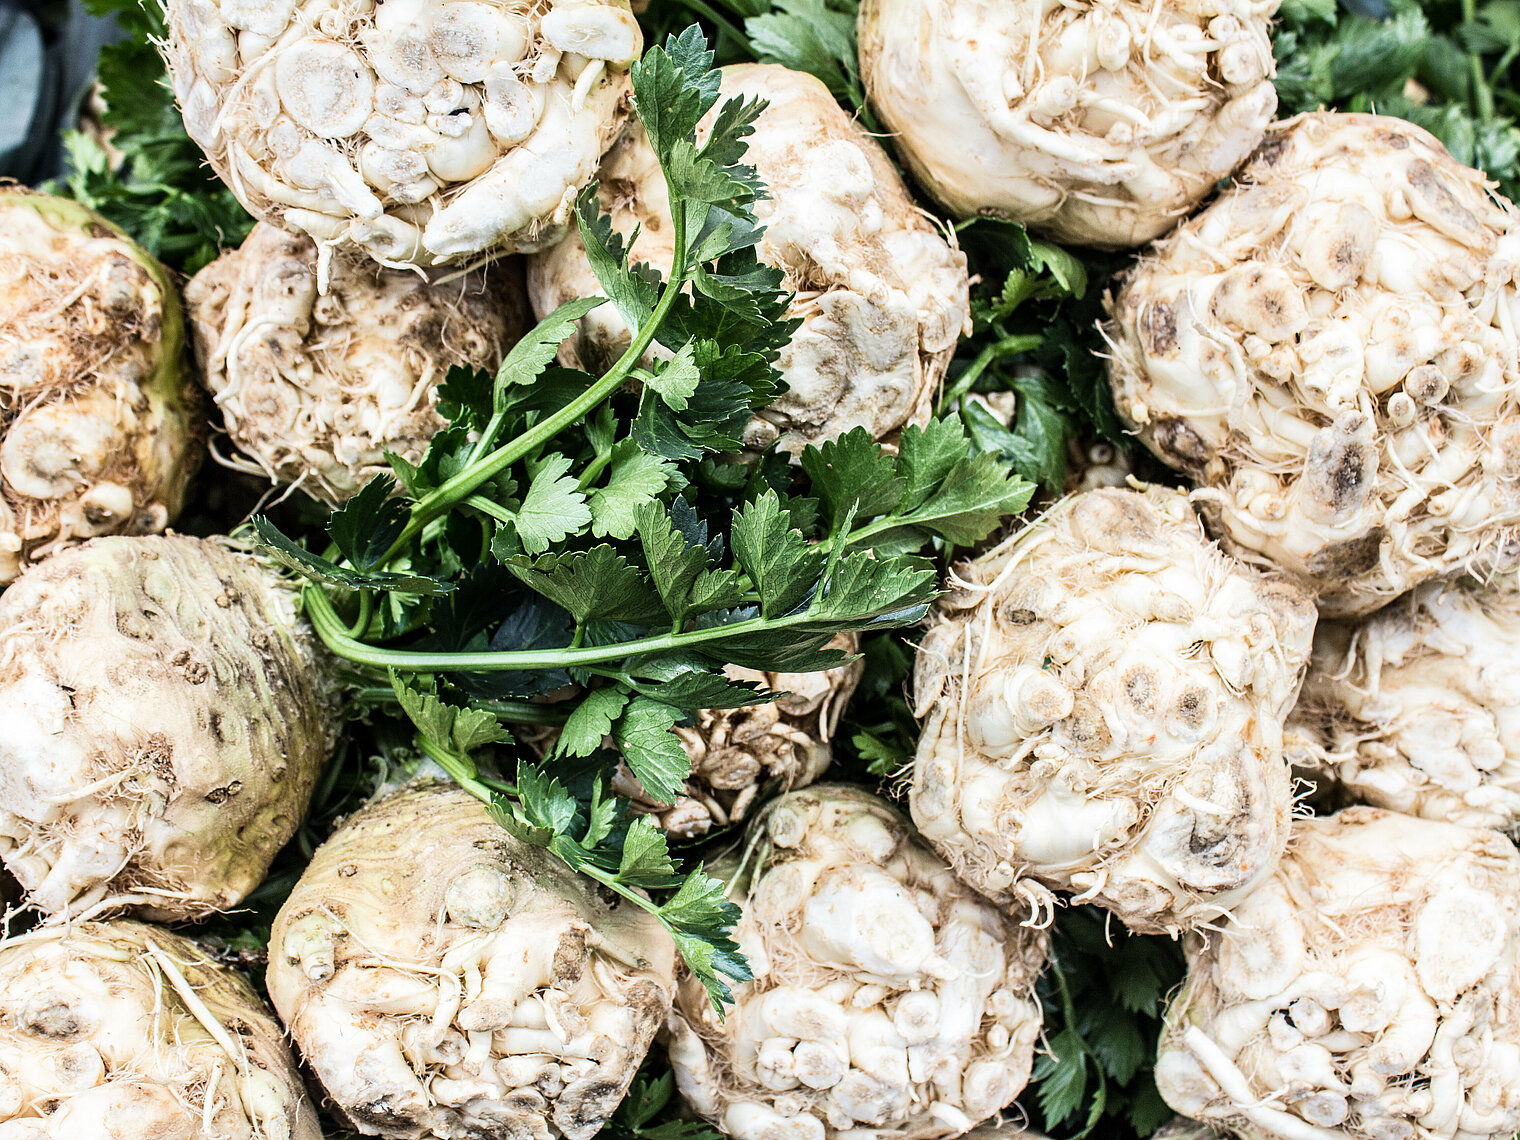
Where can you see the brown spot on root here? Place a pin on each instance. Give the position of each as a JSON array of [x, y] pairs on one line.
[[1158, 325], [1393, 140], [1347, 559], [1178, 442], [1270, 150], [225, 792], [194, 671]]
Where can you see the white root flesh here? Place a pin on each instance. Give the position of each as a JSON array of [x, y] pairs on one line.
[[1368, 988], [101, 426], [1104, 694], [418, 132], [889, 999], [882, 295], [166, 713], [317, 388], [445, 980], [123, 1031], [1331, 351], [1099, 122]]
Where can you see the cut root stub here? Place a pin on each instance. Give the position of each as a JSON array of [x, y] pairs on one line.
[[444, 979], [889, 999], [1368, 988], [318, 387], [101, 425], [124, 1031], [1104, 695], [166, 711], [1330, 350], [422, 132]]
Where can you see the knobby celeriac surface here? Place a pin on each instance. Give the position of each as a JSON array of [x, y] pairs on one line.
[[316, 387], [1368, 989], [101, 426], [1414, 708], [122, 1031], [1335, 360], [889, 999], [420, 132], [444, 978], [1104, 694], [881, 296], [1099, 123], [166, 712]]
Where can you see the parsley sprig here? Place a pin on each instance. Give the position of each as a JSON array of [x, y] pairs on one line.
[[588, 550]]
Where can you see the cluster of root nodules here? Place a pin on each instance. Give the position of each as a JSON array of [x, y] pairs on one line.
[[737, 753], [317, 388], [444, 979], [889, 998], [1102, 123], [422, 131], [123, 1030], [1368, 989], [80, 321], [1414, 708], [1105, 694], [1330, 349]]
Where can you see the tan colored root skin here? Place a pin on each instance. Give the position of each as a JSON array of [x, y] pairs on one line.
[[101, 426], [166, 713], [1330, 350], [1104, 695], [882, 296], [889, 999], [1417, 708], [1098, 122], [99, 1038], [317, 388], [422, 132], [444, 979], [1368, 989]]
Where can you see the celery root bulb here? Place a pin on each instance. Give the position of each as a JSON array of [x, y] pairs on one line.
[[1417, 708], [318, 387], [101, 426], [165, 712], [881, 294], [1367, 989], [889, 999], [122, 1031], [1330, 350], [444, 979], [1099, 122], [421, 131], [735, 753], [1105, 694]]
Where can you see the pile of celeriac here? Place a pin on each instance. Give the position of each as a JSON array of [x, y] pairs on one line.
[[772, 695]]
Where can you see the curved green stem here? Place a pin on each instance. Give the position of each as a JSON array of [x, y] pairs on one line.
[[334, 635], [462, 485]]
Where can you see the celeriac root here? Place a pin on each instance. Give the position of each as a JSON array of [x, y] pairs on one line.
[[165, 712], [1105, 694], [889, 999], [101, 426], [882, 296], [122, 1031], [445, 979], [1367, 989], [1330, 349]]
